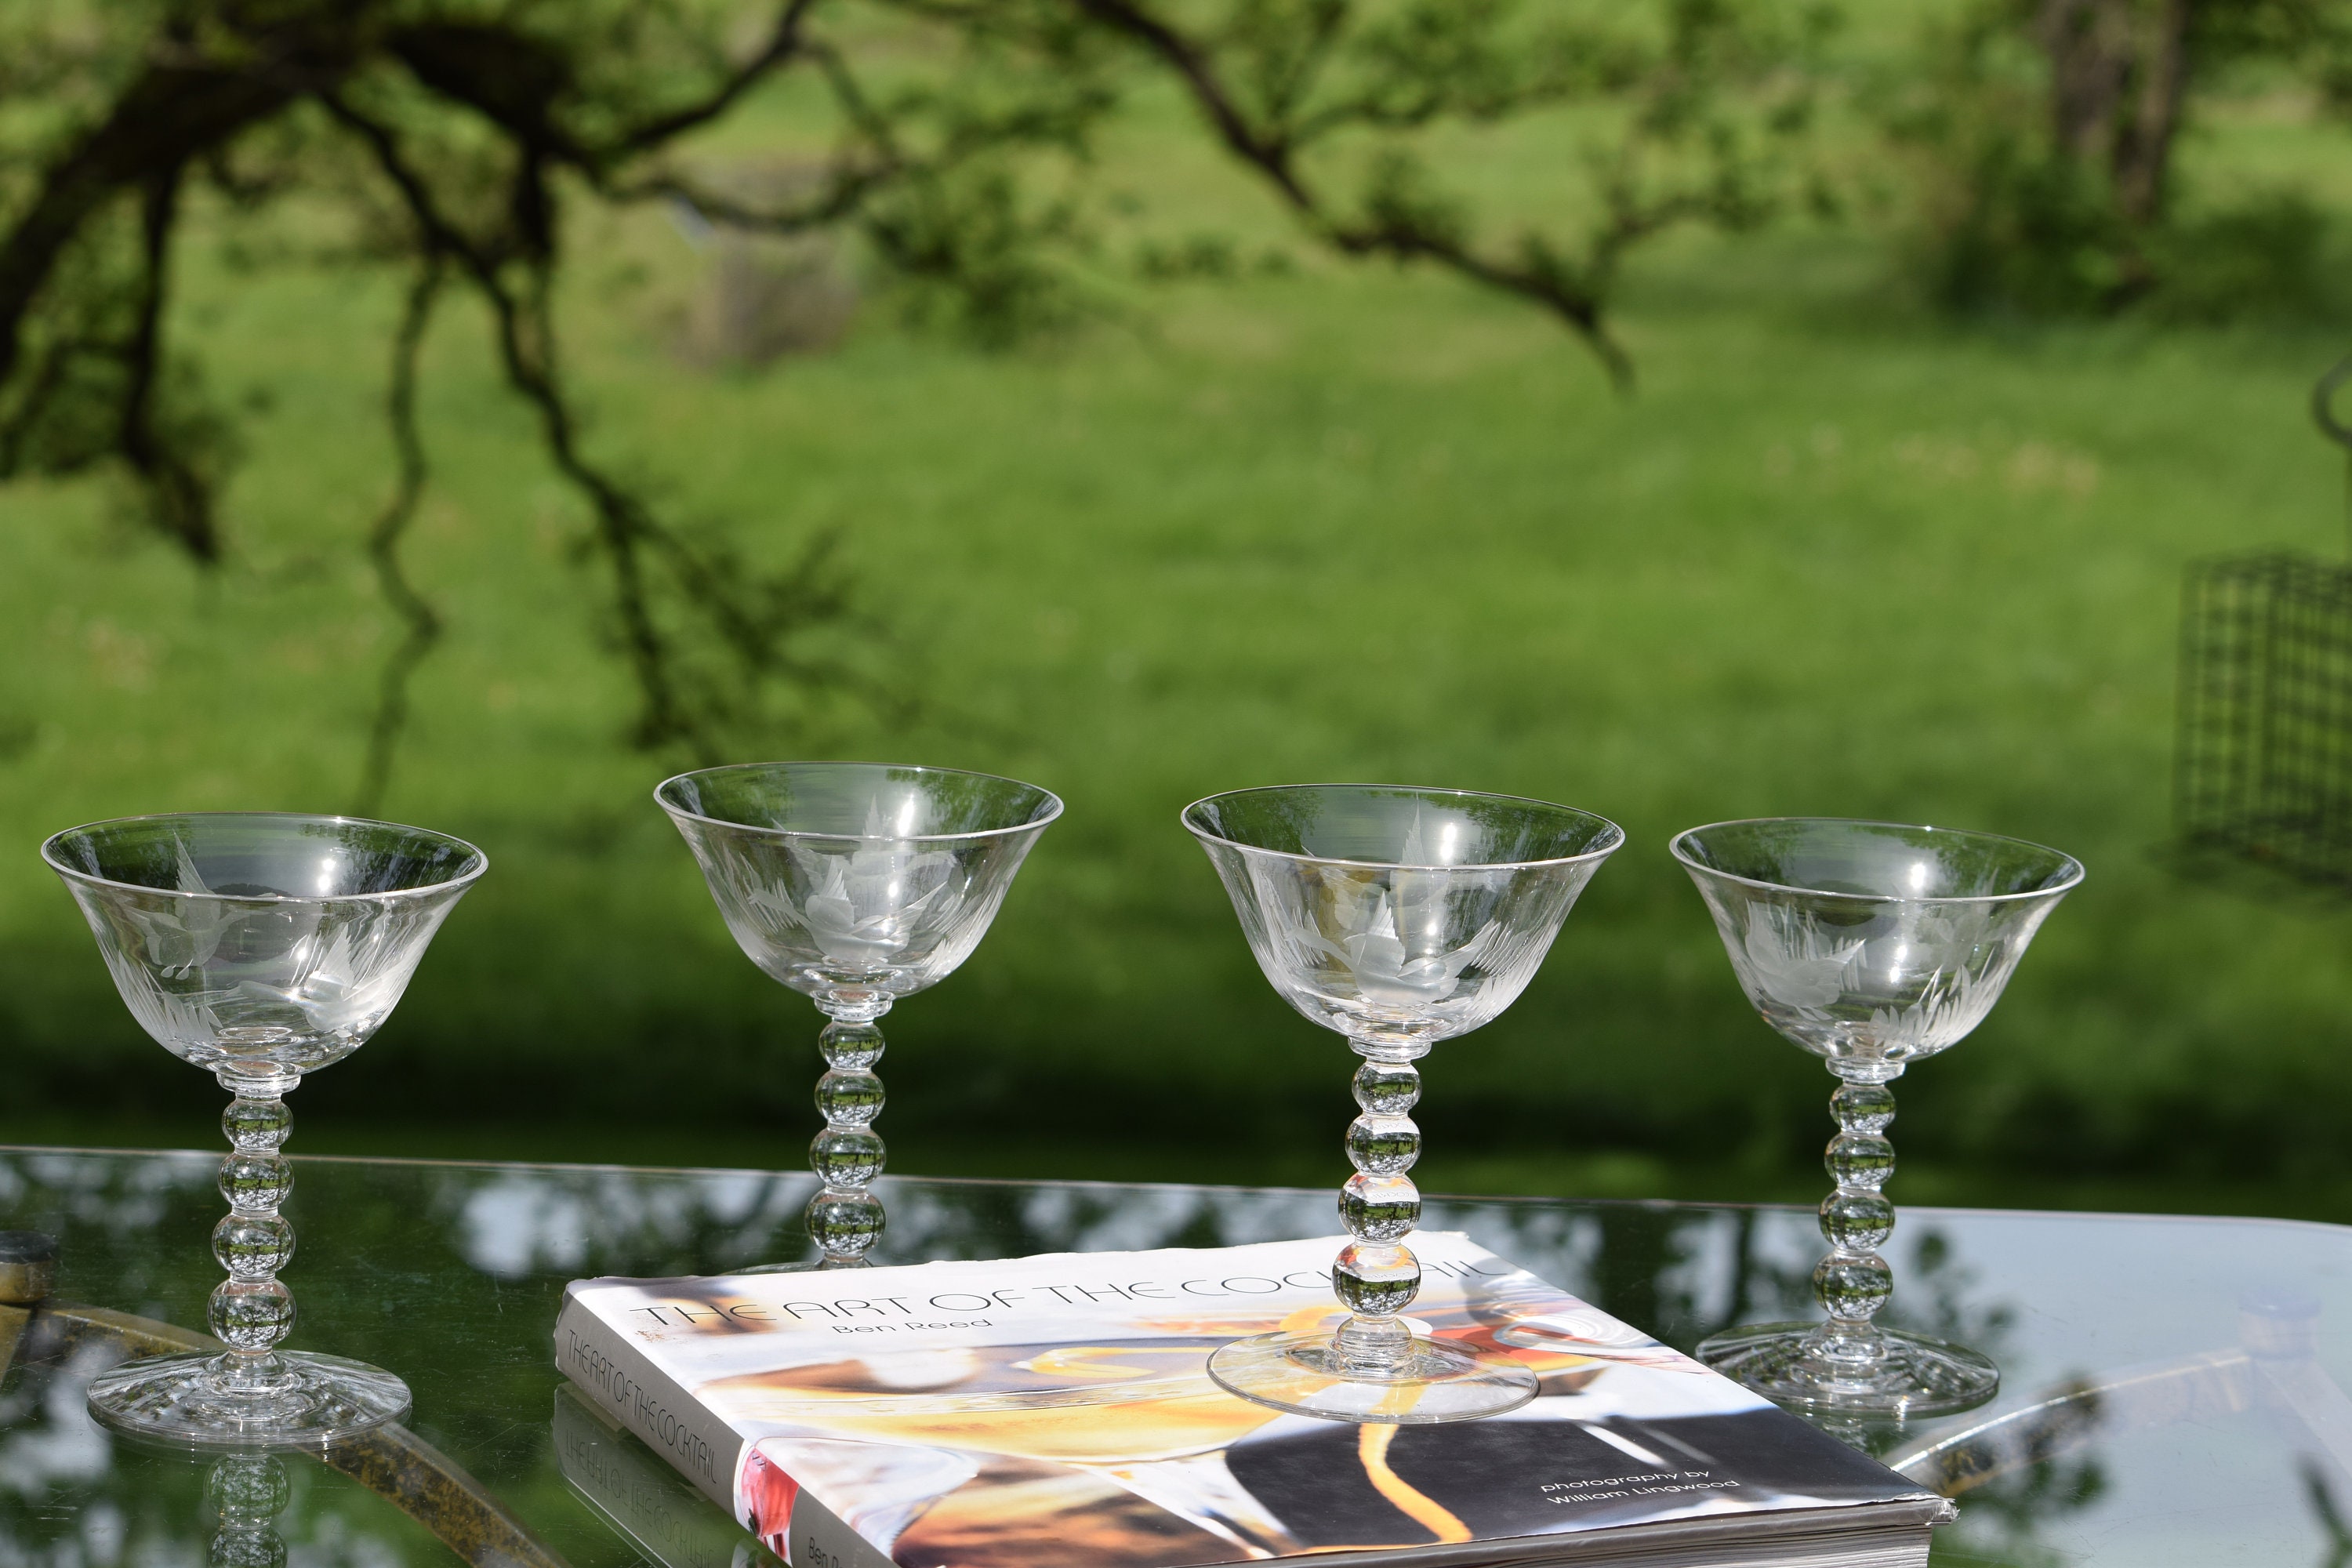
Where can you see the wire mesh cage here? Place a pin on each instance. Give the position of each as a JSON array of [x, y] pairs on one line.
[[2263, 762], [2264, 768]]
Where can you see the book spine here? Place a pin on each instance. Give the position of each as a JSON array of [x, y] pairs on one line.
[[672, 1526], [619, 1377], [621, 1380]]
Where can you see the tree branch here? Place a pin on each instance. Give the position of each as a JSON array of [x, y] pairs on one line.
[[1270, 155], [474, 115], [181, 500], [422, 622], [784, 43], [170, 109], [526, 351], [1396, 232]]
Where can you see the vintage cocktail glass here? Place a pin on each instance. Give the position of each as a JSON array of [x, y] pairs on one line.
[[855, 884], [258, 947], [1870, 944], [1399, 918]]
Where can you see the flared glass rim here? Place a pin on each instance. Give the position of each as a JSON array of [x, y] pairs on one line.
[[1615, 839], [467, 875], [1052, 813], [1674, 847]]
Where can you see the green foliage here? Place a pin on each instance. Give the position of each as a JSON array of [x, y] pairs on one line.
[[2000, 218], [970, 254], [2266, 258], [2029, 233], [2040, 142]]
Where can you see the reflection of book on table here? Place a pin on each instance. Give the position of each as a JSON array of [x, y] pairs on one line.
[[640, 1497], [1057, 1410]]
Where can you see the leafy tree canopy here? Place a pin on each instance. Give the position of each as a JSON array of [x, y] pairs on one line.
[[451, 138]]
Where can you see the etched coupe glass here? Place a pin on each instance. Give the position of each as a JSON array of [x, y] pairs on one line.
[[257, 947], [855, 884], [1871, 945], [1398, 918]]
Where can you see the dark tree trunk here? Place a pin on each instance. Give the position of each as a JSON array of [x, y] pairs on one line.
[[2119, 74], [2143, 152], [2089, 43]]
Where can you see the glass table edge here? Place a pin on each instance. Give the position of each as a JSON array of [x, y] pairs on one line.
[[1663, 1205]]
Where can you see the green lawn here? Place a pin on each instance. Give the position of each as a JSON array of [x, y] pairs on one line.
[[1835, 557]]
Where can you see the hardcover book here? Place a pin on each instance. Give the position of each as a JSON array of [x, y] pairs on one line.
[[1057, 1410]]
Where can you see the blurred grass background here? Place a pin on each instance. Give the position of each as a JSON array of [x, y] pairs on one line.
[[1837, 555]]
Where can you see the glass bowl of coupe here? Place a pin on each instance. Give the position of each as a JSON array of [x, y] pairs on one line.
[[258, 947], [855, 884], [1872, 945], [1397, 918]]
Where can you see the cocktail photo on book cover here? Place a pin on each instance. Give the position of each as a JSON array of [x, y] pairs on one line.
[[1058, 1408]]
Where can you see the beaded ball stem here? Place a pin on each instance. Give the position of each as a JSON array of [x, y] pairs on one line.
[[1373, 1368], [1852, 1282], [844, 1218], [1841, 1369], [1376, 1276], [250, 1396], [252, 1311]]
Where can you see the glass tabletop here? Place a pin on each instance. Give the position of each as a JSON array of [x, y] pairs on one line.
[[2172, 1387]]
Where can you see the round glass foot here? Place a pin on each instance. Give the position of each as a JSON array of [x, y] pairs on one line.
[[309, 1401], [1917, 1376], [1303, 1374]]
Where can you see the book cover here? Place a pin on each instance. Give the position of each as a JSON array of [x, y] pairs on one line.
[[1058, 1409]]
